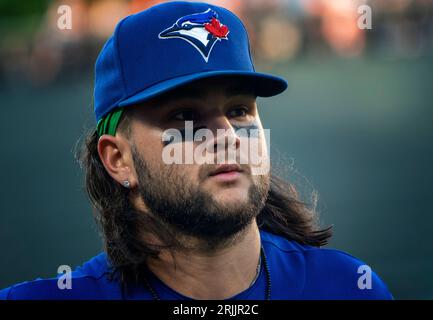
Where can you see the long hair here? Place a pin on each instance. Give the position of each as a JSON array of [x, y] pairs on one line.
[[284, 214]]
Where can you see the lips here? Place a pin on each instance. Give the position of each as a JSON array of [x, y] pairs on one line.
[[225, 168]]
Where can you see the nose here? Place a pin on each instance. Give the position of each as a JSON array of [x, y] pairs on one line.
[[225, 136]]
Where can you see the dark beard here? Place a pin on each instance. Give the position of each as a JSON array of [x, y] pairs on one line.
[[190, 211]]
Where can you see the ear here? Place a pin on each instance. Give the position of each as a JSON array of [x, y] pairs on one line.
[[115, 154]]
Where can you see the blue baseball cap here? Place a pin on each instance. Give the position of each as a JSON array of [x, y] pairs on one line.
[[167, 46]]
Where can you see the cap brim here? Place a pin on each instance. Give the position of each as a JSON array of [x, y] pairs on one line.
[[265, 85]]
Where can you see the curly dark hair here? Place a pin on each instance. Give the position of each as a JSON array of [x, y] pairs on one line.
[[121, 226]]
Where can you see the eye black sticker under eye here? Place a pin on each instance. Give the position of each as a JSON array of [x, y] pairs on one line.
[[251, 130], [183, 135]]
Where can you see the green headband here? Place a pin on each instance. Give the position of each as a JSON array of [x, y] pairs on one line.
[[108, 124]]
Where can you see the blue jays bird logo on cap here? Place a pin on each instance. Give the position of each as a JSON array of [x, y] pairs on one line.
[[202, 30]]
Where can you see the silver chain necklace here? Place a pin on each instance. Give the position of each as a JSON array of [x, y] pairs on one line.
[[155, 295]]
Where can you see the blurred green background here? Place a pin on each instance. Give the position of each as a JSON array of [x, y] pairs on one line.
[[355, 125]]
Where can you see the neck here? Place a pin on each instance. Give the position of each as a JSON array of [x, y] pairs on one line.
[[212, 275]]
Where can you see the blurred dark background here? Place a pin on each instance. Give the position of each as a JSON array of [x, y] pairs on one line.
[[355, 125]]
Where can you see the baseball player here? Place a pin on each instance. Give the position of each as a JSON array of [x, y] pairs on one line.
[[166, 83]]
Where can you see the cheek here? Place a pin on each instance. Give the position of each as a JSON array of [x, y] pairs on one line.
[[160, 160], [187, 172], [149, 144], [169, 161], [264, 142], [254, 149]]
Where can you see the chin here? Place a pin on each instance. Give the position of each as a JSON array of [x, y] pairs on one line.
[[231, 196]]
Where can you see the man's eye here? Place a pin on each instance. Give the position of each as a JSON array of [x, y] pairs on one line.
[[186, 115], [240, 111]]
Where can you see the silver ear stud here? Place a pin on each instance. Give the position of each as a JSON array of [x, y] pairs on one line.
[[126, 184]]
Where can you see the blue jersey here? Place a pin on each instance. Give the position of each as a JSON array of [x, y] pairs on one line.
[[297, 272]]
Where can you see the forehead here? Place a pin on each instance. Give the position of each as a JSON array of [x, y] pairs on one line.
[[223, 87]]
